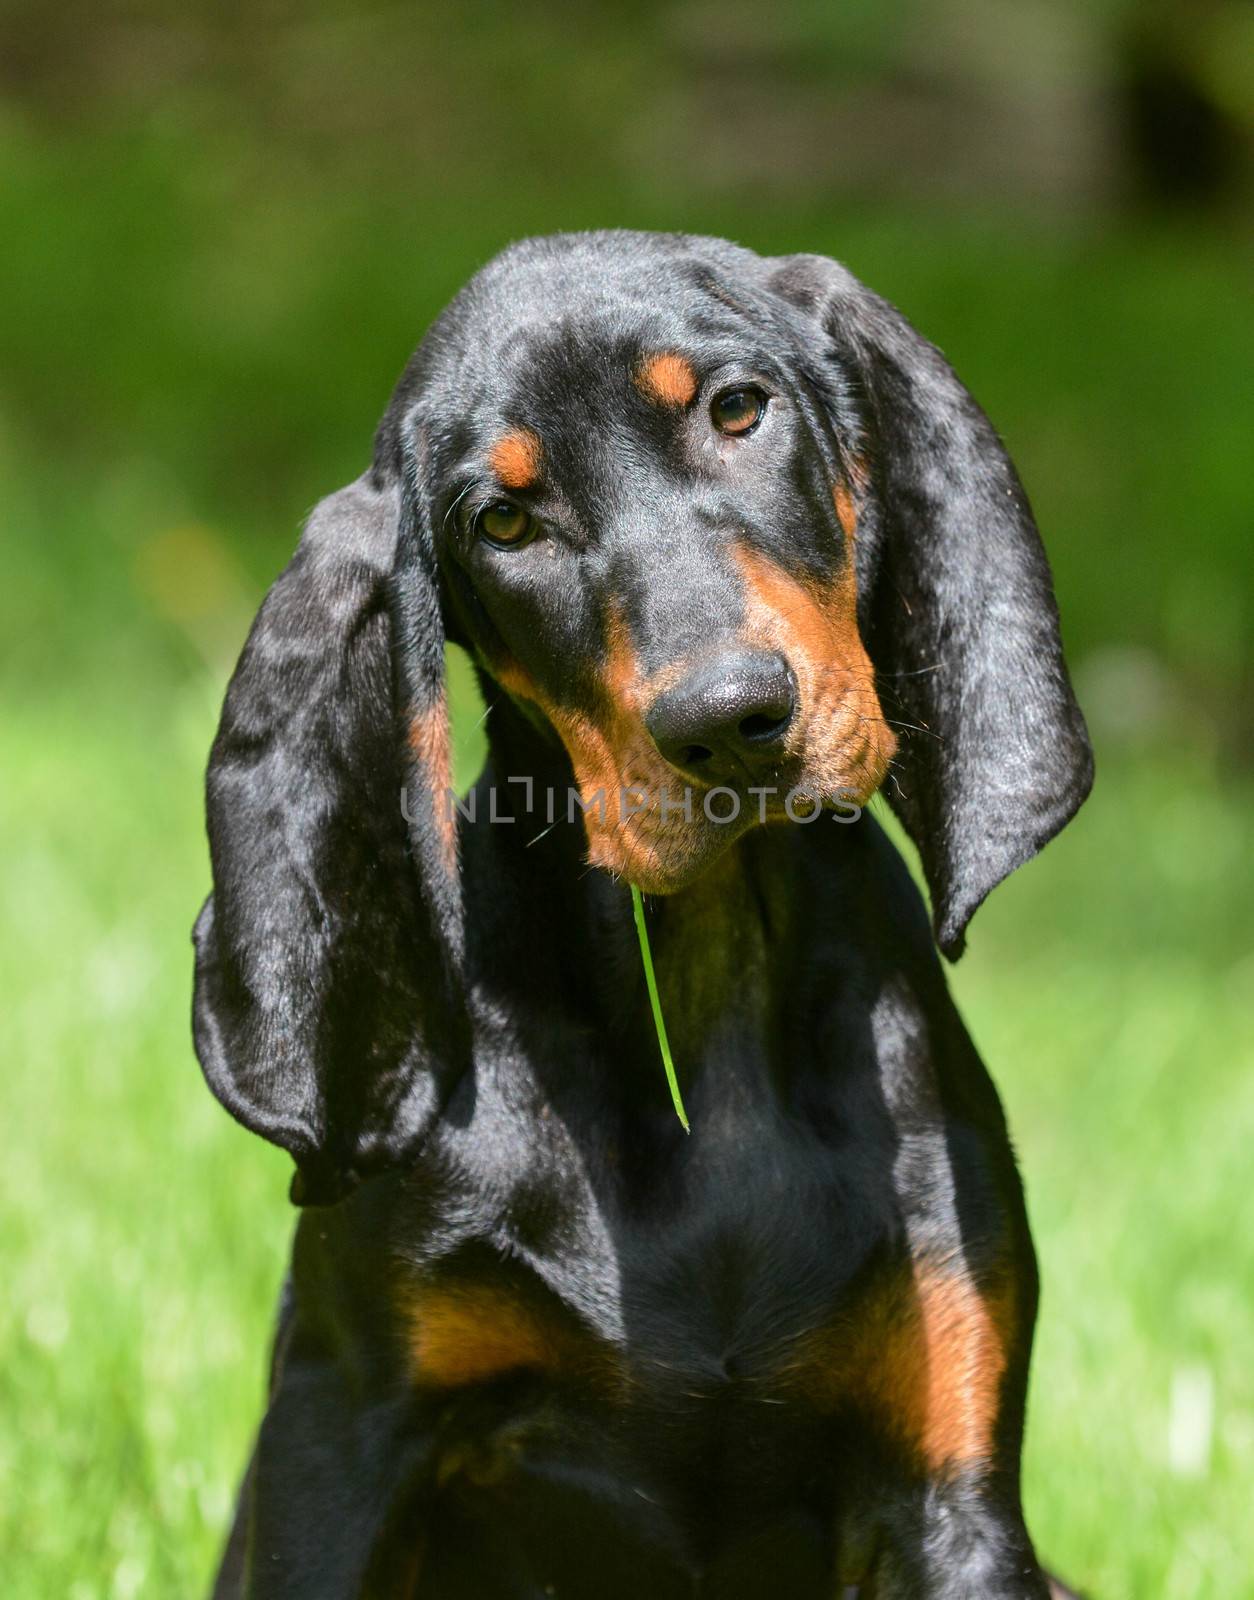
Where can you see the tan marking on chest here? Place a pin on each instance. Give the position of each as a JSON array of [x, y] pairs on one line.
[[466, 1333], [924, 1358], [667, 379], [516, 459], [474, 1332], [941, 1370]]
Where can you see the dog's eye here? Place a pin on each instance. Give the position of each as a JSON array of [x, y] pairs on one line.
[[504, 524], [738, 410]]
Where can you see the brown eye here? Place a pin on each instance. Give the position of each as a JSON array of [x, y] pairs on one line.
[[504, 524], [738, 410]]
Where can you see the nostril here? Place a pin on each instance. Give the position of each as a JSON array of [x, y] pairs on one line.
[[763, 729], [727, 718]]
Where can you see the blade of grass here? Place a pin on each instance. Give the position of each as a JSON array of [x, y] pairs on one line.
[[646, 957]]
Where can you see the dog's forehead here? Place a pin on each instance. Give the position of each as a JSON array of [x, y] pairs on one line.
[[584, 319], [608, 273]]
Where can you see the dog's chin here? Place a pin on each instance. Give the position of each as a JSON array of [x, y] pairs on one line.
[[667, 858], [666, 854]]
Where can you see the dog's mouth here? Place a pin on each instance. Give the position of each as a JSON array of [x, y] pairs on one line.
[[779, 722], [659, 811], [661, 824]]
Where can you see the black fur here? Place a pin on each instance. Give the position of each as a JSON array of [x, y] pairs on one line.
[[478, 1042]]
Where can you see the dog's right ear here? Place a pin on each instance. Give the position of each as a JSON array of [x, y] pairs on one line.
[[326, 1015]]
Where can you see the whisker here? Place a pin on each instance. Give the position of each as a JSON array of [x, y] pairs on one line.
[[915, 672], [915, 728], [455, 505]]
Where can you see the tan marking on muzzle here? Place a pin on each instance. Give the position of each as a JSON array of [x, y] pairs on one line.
[[839, 733], [516, 458], [667, 379], [514, 677], [644, 820], [620, 774]]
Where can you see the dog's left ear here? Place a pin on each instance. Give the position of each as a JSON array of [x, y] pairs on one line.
[[955, 602]]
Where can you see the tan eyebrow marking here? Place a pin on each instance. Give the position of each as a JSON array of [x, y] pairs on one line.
[[516, 457], [667, 379]]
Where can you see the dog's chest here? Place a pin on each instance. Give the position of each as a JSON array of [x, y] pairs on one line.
[[663, 1356], [696, 1332], [707, 1275]]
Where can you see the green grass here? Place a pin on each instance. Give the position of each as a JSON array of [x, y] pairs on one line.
[[143, 1233], [1109, 989], [231, 346], [659, 1021]]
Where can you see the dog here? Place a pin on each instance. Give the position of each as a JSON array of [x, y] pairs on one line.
[[732, 550]]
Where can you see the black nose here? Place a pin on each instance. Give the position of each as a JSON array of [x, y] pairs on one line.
[[728, 719]]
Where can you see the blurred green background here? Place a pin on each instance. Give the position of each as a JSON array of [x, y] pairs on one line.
[[223, 230]]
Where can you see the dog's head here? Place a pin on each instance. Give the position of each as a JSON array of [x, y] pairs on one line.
[[716, 523]]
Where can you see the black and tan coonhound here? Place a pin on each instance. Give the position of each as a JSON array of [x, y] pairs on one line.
[[729, 545]]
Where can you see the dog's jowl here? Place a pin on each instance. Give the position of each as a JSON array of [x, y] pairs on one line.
[[732, 551]]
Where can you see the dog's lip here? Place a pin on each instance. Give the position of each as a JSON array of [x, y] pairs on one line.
[[788, 781], [626, 851], [784, 770], [707, 842]]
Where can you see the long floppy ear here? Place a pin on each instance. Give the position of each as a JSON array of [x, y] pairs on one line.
[[956, 603], [326, 1015]]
